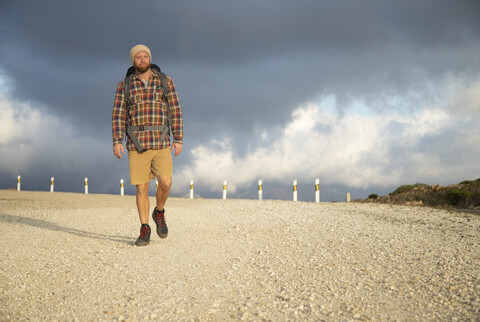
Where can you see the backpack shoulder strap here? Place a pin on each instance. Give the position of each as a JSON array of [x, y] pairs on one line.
[[164, 81], [166, 90], [126, 89]]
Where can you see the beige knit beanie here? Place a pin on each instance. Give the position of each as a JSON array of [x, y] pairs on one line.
[[138, 48]]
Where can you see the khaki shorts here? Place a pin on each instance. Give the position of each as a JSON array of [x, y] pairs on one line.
[[149, 164]]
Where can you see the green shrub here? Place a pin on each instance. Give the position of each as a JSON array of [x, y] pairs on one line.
[[406, 188], [456, 196], [373, 196], [474, 183]]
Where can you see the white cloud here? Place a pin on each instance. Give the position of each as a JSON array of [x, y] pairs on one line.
[[436, 144], [465, 98], [30, 139], [432, 145], [5, 82], [20, 133]]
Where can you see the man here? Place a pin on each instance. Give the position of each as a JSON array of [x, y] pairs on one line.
[[144, 115]]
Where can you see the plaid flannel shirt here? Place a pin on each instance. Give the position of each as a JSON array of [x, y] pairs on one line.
[[147, 107]]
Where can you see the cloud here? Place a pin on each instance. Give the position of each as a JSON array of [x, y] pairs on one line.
[[466, 98], [361, 151], [41, 145], [21, 131], [251, 78], [358, 150]]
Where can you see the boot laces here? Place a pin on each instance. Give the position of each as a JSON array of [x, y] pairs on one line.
[[144, 231], [160, 218]]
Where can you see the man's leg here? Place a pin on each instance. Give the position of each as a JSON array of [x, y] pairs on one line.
[[164, 184], [162, 168], [158, 215], [143, 204], [140, 165]]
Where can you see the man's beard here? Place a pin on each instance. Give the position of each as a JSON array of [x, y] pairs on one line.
[[142, 70]]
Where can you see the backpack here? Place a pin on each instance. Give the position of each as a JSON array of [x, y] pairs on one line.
[[164, 129]]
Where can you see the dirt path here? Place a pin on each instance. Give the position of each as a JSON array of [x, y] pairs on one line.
[[72, 257]]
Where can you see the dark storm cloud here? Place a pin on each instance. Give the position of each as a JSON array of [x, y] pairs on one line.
[[239, 66], [251, 57]]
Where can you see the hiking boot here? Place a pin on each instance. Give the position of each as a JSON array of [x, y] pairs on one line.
[[159, 219], [144, 237]]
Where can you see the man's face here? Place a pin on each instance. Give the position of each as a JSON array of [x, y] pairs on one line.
[[142, 62]]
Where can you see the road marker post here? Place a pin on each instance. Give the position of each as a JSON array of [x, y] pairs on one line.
[[224, 189], [260, 192], [294, 190]]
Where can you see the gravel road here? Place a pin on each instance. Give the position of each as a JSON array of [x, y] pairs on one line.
[[68, 256]]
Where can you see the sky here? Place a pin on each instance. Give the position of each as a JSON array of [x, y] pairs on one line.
[[363, 95]]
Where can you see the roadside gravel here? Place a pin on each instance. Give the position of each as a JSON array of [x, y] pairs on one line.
[[72, 257]]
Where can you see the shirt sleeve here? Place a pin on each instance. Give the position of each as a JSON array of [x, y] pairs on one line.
[[119, 115], [175, 113]]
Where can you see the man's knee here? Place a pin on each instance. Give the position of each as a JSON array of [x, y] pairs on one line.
[[142, 189], [164, 183]]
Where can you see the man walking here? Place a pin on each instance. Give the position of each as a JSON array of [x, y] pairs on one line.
[[145, 103]]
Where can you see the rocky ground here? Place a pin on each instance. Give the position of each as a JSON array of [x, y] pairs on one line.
[[72, 257]]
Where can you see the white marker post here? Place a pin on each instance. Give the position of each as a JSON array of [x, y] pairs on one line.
[[294, 190], [260, 193], [86, 186], [122, 189], [18, 183], [191, 189], [224, 189], [52, 180], [347, 195], [156, 180], [317, 190]]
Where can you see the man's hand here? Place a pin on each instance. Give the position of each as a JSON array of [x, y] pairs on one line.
[[117, 149], [177, 147]]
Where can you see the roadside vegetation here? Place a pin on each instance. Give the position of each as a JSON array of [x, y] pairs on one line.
[[464, 195]]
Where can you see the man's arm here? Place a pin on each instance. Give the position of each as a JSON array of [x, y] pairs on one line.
[[119, 117], [176, 117]]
